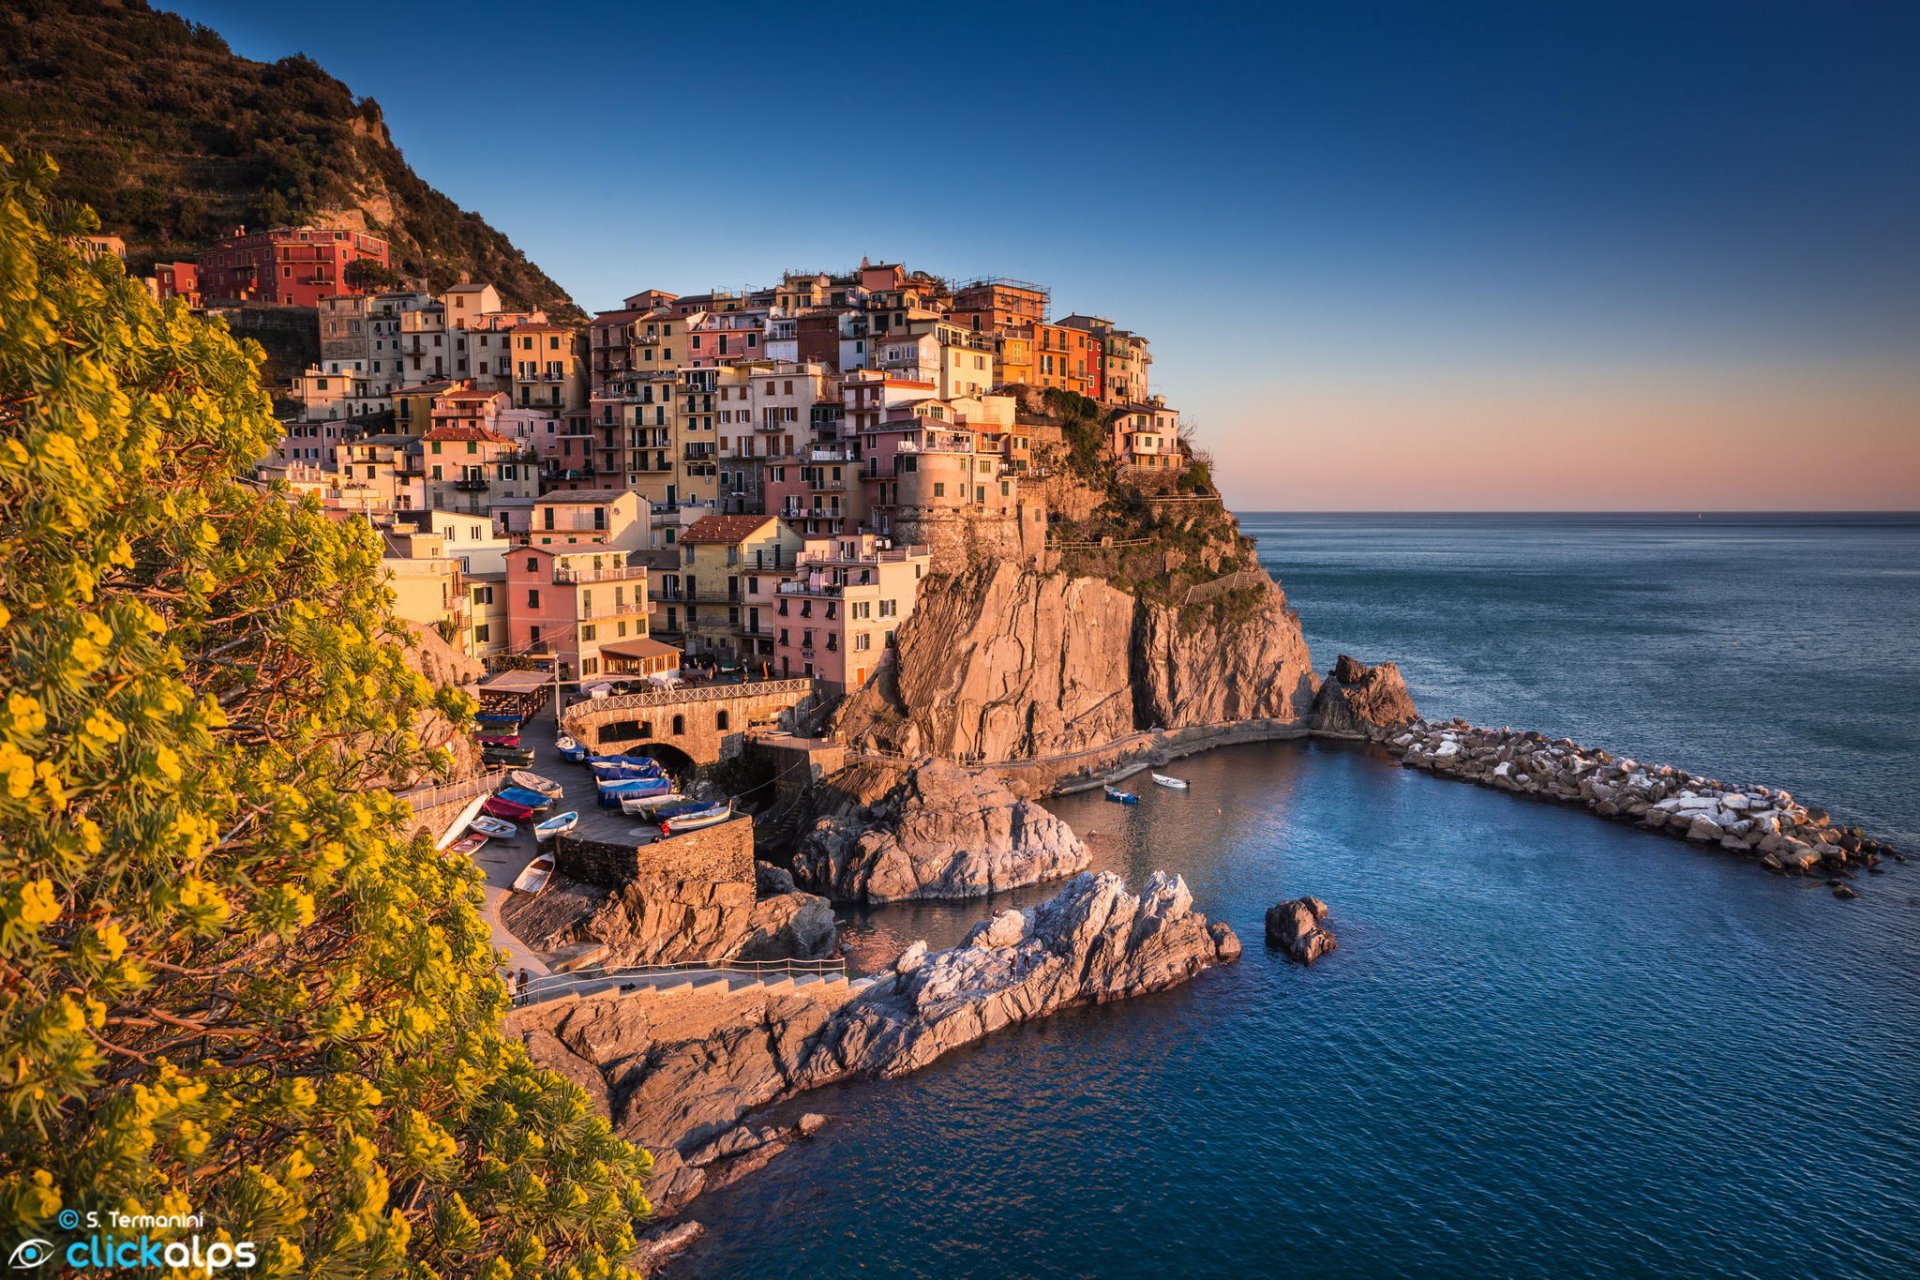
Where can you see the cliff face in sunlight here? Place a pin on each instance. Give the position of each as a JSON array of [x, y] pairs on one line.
[[1006, 663]]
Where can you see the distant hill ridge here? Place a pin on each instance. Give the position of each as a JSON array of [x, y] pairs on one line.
[[174, 139]]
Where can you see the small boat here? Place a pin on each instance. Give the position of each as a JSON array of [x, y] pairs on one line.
[[467, 845], [1118, 796], [499, 828], [558, 825], [497, 722], [512, 757], [1168, 780], [497, 739], [613, 792], [570, 751], [534, 782], [526, 799], [500, 807], [534, 876], [625, 769], [646, 805], [706, 815]]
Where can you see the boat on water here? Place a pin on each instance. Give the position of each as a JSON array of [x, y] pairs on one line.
[[467, 845], [650, 806], [1118, 796], [512, 811], [534, 876], [704, 815], [1168, 780], [523, 796], [570, 751], [558, 825], [535, 782], [499, 828]]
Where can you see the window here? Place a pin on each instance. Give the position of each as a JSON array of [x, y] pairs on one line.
[[533, 597], [679, 724], [889, 608], [939, 488], [863, 641], [587, 631], [533, 635], [480, 634], [720, 721]]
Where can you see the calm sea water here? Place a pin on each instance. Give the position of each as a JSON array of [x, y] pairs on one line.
[[1547, 1047]]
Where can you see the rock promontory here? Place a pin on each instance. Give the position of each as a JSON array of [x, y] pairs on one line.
[[685, 1071], [1004, 662], [1356, 699], [1092, 942], [941, 832]]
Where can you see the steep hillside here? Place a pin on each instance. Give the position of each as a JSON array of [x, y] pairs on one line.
[[174, 139]]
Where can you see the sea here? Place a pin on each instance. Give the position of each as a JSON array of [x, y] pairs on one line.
[[1547, 1046]]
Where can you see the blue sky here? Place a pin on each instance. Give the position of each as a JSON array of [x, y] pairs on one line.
[[1478, 242]]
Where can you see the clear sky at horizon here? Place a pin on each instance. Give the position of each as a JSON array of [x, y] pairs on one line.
[[1392, 256]]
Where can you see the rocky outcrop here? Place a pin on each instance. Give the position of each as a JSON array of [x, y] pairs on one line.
[[1298, 927], [1356, 699], [789, 926], [683, 1072], [943, 832], [1005, 663], [1091, 943], [1763, 823]]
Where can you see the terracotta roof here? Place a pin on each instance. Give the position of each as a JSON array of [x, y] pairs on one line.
[[470, 393], [724, 529], [466, 433], [570, 548]]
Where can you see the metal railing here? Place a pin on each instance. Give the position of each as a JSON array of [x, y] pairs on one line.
[[559, 985], [706, 693]]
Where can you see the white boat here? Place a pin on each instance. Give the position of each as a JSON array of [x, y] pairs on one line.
[[558, 825], [533, 878], [647, 804], [499, 828], [535, 782], [711, 815], [1168, 780]]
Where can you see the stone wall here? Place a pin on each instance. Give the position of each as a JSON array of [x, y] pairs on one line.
[[722, 853]]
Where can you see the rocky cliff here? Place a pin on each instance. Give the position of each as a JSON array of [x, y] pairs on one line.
[[683, 1072], [1003, 663], [942, 832]]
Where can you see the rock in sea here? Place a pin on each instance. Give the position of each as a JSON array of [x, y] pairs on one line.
[[1297, 928]]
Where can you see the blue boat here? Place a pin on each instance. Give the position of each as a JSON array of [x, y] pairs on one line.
[[531, 799], [607, 771], [1118, 796], [490, 718], [569, 750], [613, 792]]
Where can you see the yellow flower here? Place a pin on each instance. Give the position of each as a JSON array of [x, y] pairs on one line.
[[102, 729], [37, 904]]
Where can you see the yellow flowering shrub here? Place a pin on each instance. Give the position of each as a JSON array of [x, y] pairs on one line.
[[229, 982]]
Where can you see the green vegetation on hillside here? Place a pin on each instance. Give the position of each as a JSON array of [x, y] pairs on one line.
[[1163, 540], [233, 985], [174, 140]]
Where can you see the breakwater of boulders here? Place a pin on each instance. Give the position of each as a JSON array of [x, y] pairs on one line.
[[1765, 824]]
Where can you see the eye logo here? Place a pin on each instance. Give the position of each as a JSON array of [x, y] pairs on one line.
[[30, 1253]]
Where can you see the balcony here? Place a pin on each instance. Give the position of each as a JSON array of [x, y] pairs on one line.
[[471, 485], [625, 573], [613, 609]]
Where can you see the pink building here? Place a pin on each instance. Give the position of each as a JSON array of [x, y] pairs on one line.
[[570, 600], [835, 619]]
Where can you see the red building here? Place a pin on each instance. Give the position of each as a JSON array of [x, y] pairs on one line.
[[293, 266], [176, 280]]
